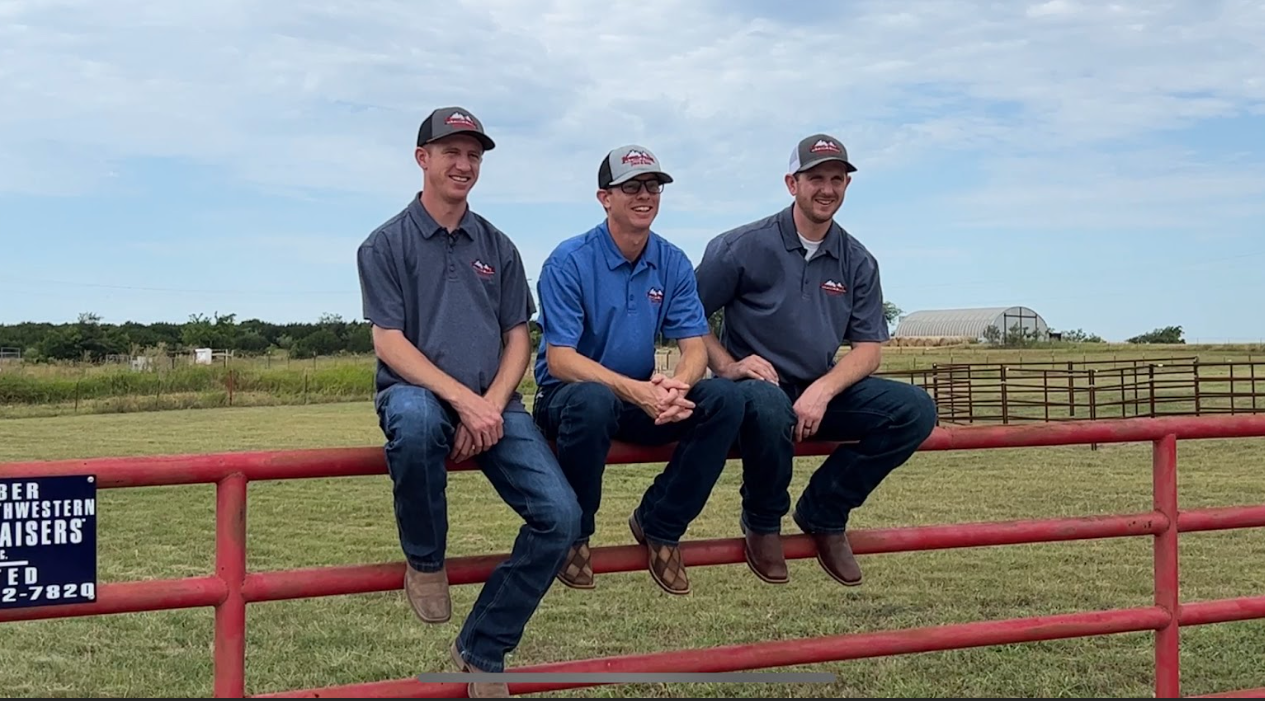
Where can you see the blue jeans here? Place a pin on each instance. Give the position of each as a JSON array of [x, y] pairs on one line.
[[584, 417], [890, 420], [419, 430]]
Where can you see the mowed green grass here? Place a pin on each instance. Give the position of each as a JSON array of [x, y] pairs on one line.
[[168, 532]]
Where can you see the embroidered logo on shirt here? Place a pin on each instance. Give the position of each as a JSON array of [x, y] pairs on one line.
[[482, 269], [833, 288], [656, 295]]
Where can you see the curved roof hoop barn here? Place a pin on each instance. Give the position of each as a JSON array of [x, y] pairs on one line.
[[970, 323]]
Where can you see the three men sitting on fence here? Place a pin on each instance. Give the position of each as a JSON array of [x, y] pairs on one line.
[[449, 302]]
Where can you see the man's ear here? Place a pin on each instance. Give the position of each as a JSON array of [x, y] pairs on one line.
[[422, 156], [790, 184], [604, 197]]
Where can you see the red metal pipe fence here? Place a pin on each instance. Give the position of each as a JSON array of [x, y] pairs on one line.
[[232, 587]]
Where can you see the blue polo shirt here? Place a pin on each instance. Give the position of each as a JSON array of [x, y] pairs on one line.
[[610, 310]]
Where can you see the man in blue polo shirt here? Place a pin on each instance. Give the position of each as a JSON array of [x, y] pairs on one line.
[[449, 303], [605, 296], [793, 287]]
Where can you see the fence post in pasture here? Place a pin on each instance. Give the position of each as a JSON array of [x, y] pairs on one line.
[[1137, 384], [1233, 397], [1252, 373], [77, 395], [1164, 565], [1093, 400], [1198, 397], [935, 385], [230, 566], [1005, 404], [1151, 372], [1124, 408], [1045, 391], [1071, 390], [970, 394]]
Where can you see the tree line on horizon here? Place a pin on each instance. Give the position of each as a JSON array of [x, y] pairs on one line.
[[91, 339]]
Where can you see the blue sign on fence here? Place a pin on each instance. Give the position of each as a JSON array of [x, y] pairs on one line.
[[48, 541]]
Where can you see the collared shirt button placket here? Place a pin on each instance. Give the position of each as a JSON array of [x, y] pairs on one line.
[[803, 277], [452, 256]]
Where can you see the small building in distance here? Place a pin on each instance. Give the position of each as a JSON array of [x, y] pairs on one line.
[[972, 324]]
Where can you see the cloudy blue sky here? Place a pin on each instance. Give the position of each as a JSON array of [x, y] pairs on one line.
[[1101, 162]]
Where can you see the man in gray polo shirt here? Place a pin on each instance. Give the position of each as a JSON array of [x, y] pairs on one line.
[[449, 302], [794, 286]]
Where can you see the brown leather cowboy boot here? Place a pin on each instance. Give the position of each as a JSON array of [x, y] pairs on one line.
[[666, 566], [834, 554], [427, 593], [478, 690], [577, 569], [764, 555]]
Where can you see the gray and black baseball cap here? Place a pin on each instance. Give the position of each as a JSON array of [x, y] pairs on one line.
[[626, 163], [447, 121], [817, 149]]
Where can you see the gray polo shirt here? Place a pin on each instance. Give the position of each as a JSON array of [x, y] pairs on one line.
[[452, 294], [794, 313]]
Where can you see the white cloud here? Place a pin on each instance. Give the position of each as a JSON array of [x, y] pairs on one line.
[[292, 96]]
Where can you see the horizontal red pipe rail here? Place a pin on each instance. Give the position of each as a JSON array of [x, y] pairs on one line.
[[1130, 430], [363, 579], [1221, 518], [1241, 694], [209, 468], [116, 472], [785, 653], [1200, 613], [132, 597]]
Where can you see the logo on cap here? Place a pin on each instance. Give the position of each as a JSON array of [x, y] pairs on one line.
[[457, 119], [637, 158], [823, 146]]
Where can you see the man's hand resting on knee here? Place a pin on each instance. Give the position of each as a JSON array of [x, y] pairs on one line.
[[481, 427]]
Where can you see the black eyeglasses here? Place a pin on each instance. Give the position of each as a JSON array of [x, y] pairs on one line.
[[632, 187]]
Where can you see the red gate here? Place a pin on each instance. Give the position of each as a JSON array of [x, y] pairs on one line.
[[231, 588]]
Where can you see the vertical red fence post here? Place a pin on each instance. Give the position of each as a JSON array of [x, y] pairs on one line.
[[230, 566], [1167, 654]]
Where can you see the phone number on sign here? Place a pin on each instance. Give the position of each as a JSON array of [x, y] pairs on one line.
[[52, 592]]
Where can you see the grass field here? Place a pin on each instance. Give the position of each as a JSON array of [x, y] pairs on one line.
[[168, 532]]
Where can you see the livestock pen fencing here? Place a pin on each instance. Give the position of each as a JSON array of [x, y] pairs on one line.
[[231, 588], [1034, 390]]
